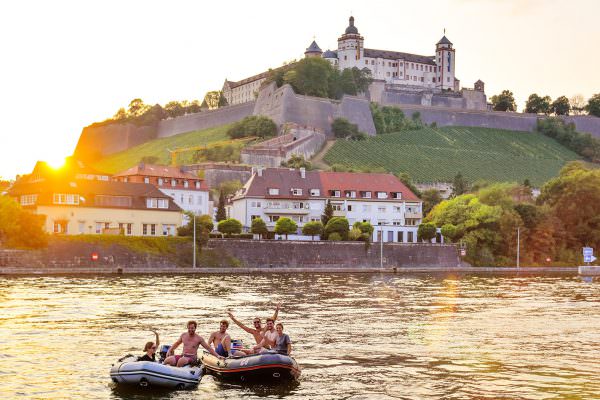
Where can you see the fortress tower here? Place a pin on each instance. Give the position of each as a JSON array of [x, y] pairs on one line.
[[444, 57], [350, 47]]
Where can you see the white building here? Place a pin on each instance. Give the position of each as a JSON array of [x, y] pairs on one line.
[[397, 68], [380, 199], [187, 190]]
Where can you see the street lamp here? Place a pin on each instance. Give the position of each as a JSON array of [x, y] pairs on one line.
[[518, 246], [194, 255], [382, 224]]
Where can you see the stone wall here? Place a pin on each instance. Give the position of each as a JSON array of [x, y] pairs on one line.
[[282, 105], [205, 119], [299, 254], [217, 173], [99, 141]]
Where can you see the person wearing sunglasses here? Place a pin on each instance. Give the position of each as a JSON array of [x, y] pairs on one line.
[[150, 349], [257, 331]]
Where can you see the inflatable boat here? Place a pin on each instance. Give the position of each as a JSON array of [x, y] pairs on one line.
[[128, 370], [268, 367]]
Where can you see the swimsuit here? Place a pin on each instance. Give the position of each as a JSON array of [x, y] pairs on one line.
[[220, 350], [192, 358]]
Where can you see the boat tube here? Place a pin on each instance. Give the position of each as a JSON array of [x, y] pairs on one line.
[[267, 367], [128, 370]]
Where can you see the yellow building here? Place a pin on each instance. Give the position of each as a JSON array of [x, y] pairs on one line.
[[78, 206]]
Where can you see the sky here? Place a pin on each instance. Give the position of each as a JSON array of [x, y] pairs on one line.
[[67, 64]]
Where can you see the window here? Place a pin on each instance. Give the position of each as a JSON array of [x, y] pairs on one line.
[[297, 192], [397, 195], [151, 202], [337, 207], [163, 203], [198, 199], [146, 179], [448, 79], [253, 217], [60, 226], [273, 218], [396, 222], [366, 195], [349, 207], [400, 236], [350, 193], [125, 179], [60, 198], [381, 209], [81, 226], [315, 192], [102, 225], [409, 238], [112, 201], [397, 209], [173, 182], [335, 193], [160, 181], [410, 222], [197, 185], [190, 199], [274, 191], [28, 199], [185, 184], [168, 229], [382, 195]]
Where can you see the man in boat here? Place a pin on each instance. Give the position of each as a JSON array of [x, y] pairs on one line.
[[269, 338], [258, 331], [221, 340], [191, 341]]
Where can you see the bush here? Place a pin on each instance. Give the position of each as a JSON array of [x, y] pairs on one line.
[[285, 226], [354, 234], [426, 231], [365, 227], [337, 225], [312, 228], [259, 227], [230, 226], [254, 125], [335, 237]]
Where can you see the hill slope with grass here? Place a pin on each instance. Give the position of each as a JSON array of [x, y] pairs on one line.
[[438, 154], [158, 148]]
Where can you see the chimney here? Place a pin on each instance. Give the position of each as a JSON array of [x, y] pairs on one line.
[[303, 173]]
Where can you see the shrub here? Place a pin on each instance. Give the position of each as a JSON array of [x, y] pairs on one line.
[[230, 226], [253, 125], [426, 231], [354, 234], [335, 237], [312, 228], [365, 227], [285, 226], [337, 225], [259, 227]]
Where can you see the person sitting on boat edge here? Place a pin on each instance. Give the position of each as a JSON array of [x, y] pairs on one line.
[[283, 344], [258, 330], [191, 341], [221, 340], [150, 349], [269, 338]]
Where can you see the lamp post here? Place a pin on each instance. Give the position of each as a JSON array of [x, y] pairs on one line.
[[381, 245], [518, 246], [194, 255]]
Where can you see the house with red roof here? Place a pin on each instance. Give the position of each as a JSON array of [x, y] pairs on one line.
[[189, 191], [380, 199]]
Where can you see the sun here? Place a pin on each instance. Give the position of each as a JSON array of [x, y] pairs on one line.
[[56, 162]]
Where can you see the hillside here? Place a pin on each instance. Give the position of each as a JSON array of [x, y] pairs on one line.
[[438, 154], [120, 161]]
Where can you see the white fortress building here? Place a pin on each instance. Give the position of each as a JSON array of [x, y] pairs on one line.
[[404, 71]]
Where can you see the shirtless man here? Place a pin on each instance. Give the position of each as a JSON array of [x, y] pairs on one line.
[[191, 342], [269, 339], [258, 330], [221, 340]]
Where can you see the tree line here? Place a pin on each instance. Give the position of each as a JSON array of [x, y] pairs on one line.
[[536, 104]]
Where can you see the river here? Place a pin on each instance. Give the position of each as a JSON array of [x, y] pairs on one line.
[[355, 336]]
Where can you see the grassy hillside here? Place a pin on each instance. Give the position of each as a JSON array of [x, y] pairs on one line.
[[120, 161], [438, 154]]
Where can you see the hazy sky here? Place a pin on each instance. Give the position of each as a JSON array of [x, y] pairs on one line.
[[66, 64]]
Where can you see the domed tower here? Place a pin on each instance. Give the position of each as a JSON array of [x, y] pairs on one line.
[[313, 50], [445, 60], [350, 47]]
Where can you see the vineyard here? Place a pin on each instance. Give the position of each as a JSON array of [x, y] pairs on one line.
[[158, 148], [438, 154]]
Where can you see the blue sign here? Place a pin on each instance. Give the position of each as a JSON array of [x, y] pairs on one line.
[[588, 251]]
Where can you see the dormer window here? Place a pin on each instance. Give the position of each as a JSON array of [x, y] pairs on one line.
[[160, 181], [335, 193], [350, 193], [296, 192], [273, 191], [173, 182], [365, 195], [315, 192], [185, 184], [397, 195], [197, 185], [382, 195], [146, 179]]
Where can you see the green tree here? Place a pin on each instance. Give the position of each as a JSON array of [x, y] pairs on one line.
[[253, 125], [459, 185], [297, 161], [221, 213], [342, 128], [259, 227], [285, 226], [310, 77], [355, 234], [449, 232], [561, 106], [174, 109], [426, 232], [337, 225], [312, 228], [577, 103], [335, 237], [214, 99], [504, 101], [593, 105], [20, 228], [430, 198], [538, 105], [204, 225], [327, 213], [230, 226], [228, 188], [137, 107], [365, 227]]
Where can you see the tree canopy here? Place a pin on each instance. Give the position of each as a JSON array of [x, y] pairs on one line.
[[229, 226], [344, 129], [561, 106], [20, 228], [259, 227], [537, 104], [504, 101], [253, 125], [285, 226], [312, 228], [593, 105]]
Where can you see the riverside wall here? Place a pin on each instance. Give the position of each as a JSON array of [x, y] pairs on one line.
[[74, 257]]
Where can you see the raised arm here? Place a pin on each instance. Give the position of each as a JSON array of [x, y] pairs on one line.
[[238, 323], [157, 341], [208, 348], [276, 312]]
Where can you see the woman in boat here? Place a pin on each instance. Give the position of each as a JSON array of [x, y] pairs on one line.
[[283, 344], [150, 349]]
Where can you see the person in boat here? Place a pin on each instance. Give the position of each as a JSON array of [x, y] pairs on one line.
[[269, 338], [220, 340], [283, 344], [150, 349], [258, 331], [191, 341]]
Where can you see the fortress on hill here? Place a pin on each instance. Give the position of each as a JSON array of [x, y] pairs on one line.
[[400, 78]]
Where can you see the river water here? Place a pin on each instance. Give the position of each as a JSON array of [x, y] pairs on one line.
[[355, 336]]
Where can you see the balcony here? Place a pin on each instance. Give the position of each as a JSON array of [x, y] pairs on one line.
[[339, 213], [413, 215], [283, 209]]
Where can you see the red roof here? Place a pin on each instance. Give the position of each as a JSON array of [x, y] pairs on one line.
[[283, 179], [161, 171], [365, 182]]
